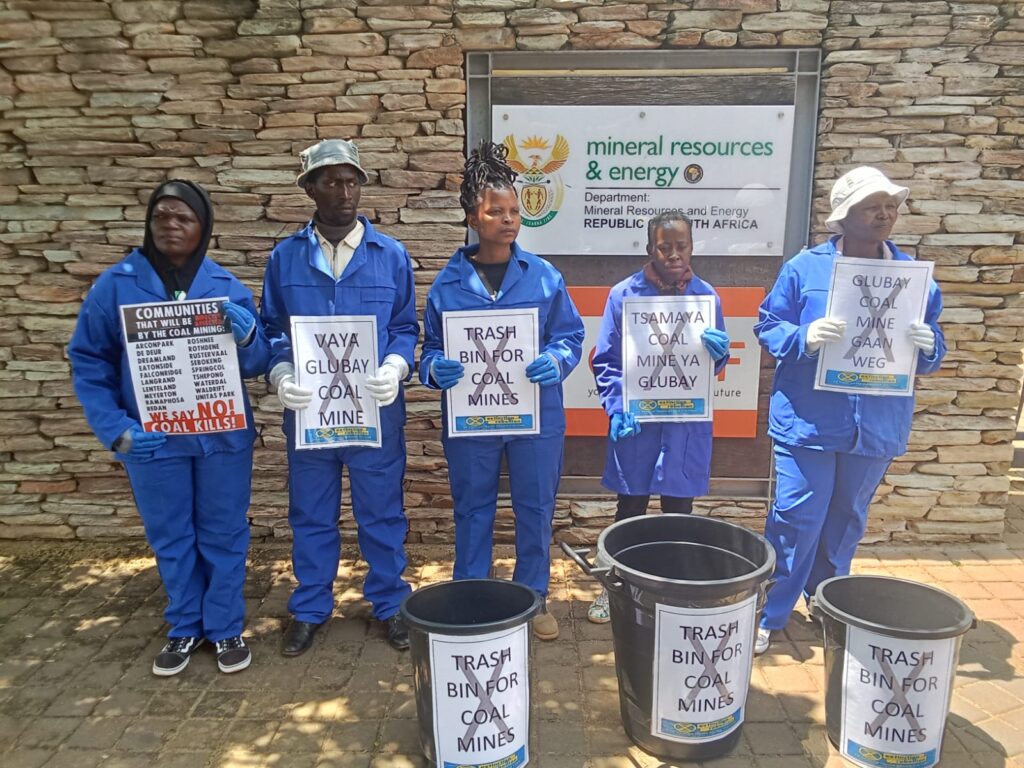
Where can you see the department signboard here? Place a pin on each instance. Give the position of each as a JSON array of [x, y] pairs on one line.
[[590, 177], [735, 388]]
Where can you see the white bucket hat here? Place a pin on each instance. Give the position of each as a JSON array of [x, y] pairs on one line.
[[853, 186], [329, 152]]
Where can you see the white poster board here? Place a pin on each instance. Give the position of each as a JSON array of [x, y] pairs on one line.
[[590, 177], [494, 396], [667, 373], [480, 686], [878, 299], [702, 663], [333, 357], [895, 698], [184, 367]]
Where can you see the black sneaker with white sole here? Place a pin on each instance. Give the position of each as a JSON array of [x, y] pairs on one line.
[[233, 655], [175, 655]]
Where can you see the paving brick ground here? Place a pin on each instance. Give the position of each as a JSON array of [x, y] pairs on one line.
[[80, 624]]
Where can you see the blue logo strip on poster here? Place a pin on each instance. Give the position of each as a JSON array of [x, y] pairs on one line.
[[702, 730], [874, 757], [514, 760], [329, 435], [854, 380], [465, 424], [684, 407]]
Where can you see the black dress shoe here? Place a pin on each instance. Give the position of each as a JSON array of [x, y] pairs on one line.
[[398, 635], [298, 638]]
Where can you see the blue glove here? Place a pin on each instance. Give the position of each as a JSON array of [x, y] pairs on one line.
[[716, 342], [240, 320], [544, 371], [446, 373], [141, 444], [623, 425]]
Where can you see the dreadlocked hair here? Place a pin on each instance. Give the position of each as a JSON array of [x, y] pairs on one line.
[[485, 169]]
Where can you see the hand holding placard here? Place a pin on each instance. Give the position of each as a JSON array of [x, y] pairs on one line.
[[291, 395], [623, 425], [544, 371], [822, 331], [923, 337], [446, 373], [384, 385], [136, 443], [716, 342], [241, 320]]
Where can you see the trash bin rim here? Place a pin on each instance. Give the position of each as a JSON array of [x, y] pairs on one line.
[[443, 628], [905, 633], [756, 576]]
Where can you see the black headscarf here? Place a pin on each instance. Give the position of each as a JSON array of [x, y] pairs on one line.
[[195, 197]]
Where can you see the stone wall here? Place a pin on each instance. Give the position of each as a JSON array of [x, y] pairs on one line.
[[100, 100]]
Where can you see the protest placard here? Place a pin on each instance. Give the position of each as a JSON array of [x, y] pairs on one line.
[[480, 687], [702, 663], [184, 367], [494, 396], [667, 373], [896, 694], [333, 357], [878, 299]]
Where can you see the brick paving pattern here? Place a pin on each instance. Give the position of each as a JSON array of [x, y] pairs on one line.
[[80, 624]]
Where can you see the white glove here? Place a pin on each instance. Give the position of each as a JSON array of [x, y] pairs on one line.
[[824, 331], [384, 385], [291, 395], [923, 337]]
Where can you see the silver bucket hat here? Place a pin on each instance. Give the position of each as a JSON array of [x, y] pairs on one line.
[[329, 152]]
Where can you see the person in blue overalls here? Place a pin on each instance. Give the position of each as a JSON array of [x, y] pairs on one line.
[[497, 274], [192, 491], [670, 459], [338, 264], [831, 448]]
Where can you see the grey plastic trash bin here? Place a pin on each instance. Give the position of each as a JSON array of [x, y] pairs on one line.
[[470, 647], [891, 650], [685, 593]]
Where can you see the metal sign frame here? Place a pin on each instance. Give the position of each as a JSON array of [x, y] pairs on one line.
[[669, 77]]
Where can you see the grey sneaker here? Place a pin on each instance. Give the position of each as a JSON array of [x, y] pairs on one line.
[[764, 639], [813, 611], [599, 611], [175, 655], [233, 655]]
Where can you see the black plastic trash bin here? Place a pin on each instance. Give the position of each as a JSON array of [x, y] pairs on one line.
[[891, 649], [685, 593], [470, 647]]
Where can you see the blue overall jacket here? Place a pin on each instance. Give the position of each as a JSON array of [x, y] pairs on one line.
[[803, 417], [529, 281], [99, 357], [377, 281], [670, 458]]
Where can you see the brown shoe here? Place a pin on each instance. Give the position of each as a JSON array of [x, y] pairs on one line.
[[545, 627]]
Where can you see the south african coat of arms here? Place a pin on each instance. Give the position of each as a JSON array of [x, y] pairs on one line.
[[541, 189]]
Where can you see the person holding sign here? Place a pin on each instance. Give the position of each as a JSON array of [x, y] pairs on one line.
[[672, 459], [831, 448], [339, 265], [191, 490], [493, 276]]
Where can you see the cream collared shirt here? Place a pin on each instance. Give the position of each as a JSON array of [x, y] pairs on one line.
[[339, 257]]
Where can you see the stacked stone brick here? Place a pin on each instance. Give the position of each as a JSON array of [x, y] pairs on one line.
[[102, 99]]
